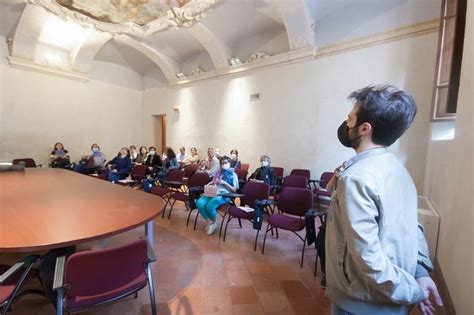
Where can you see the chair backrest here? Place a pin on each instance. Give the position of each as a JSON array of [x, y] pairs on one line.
[[295, 201], [139, 170], [325, 178], [94, 272], [198, 179], [254, 191], [295, 181], [29, 162], [176, 175], [241, 174], [244, 167], [301, 172], [278, 171], [190, 169]]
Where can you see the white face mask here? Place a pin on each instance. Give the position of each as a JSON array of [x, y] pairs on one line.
[[152, 152], [264, 163], [233, 156], [225, 166]]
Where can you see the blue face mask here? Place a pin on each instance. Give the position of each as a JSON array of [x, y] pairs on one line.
[[60, 152], [96, 151]]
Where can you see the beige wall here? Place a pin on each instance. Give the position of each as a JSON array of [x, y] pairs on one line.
[[37, 110], [449, 186], [300, 109]]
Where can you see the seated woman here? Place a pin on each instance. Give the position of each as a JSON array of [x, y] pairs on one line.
[[194, 158], [234, 157], [153, 160], [265, 172], [59, 157], [142, 155], [171, 163], [119, 166], [182, 156], [133, 153], [91, 163], [227, 182]]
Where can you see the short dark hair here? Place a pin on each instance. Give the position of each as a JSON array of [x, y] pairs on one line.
[[224, 159], [387, 109]]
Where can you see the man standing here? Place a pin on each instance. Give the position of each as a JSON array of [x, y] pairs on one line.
[[377, 258]]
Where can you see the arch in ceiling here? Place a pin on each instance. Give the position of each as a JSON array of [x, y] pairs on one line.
[[219, 51], [28, 32], [84, 56], [169, 66], [299, 22]]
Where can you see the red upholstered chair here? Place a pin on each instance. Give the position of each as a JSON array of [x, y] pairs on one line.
[[29, 162], [91, 278], [295, 181], [244, 167], [199, 179], [13, 278], [293, 203], [189, 170], [252, 191], [320, 189]]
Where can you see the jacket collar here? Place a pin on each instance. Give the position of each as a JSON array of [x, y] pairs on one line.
[[363, 155]]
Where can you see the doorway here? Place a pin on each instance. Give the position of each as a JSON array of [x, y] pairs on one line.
[[160, 132]]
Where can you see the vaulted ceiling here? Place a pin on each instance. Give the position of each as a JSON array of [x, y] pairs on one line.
[[231, 29]]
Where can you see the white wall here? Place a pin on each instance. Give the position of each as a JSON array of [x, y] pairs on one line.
[[300, 109], [37, 110], [449, 186]]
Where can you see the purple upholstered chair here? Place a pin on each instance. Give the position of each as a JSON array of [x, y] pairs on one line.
[[91, 278], [296, 181], [252, 191], [29, 162], [293, 203], [168, 187], [320, 189], [301, 172]]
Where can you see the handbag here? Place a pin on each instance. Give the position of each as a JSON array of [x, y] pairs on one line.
[[210, 190]]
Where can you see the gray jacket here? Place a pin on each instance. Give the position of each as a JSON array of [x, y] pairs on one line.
[[374, 244]]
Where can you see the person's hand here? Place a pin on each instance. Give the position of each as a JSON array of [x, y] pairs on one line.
[[114, 171], [429, 288], [150, 168]]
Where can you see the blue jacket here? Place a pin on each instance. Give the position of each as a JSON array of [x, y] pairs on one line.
[[122, 165]]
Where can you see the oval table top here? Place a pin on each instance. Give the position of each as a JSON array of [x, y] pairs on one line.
[[50, 208]]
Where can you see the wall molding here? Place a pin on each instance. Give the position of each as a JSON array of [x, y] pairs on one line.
[[33, 66], [311, 53]]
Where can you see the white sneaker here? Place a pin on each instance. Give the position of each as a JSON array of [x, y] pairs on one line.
[[207, 228], [212, 228]]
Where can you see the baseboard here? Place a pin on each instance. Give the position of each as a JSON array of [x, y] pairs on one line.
[[443, 289]]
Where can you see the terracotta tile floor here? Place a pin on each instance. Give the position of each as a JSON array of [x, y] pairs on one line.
[[199, 274]]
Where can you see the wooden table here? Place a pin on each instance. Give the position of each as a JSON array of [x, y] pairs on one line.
[[42, 209]]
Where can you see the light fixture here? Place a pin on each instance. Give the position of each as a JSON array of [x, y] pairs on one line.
[[180, 75], [235, 61]]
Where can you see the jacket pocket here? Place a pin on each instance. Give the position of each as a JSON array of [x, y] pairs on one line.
[[342, 256]]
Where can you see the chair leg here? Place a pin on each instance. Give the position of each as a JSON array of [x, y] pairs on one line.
[[316, 265], [240, 223], [196, 220], [255, 244], [222, 223], [225, 230], [59, 307], [171, 209], [6, 307], [189, 216], [304, 247], [265, 238], [152, 290]]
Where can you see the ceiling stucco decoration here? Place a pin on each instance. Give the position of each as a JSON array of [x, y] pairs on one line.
[[134, 17]]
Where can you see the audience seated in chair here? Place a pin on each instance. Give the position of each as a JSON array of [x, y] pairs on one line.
[[182, 156], [153, 161], [59, 156], [194, 158], [171, 163], [133, 153], [141, 157], [91, 163], [120, 166], [211, 164], [227, 182], [234, 158], [265, 172]]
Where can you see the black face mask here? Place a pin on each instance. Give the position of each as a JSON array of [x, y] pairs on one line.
[[343, 135]]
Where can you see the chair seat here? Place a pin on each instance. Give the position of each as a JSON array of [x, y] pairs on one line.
[[322, 192], [180, 196], [159, 190], [239, 213], [286, 222], [78, 302], [6, 289]]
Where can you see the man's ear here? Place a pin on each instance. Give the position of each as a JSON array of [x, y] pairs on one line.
[[366, 128]]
